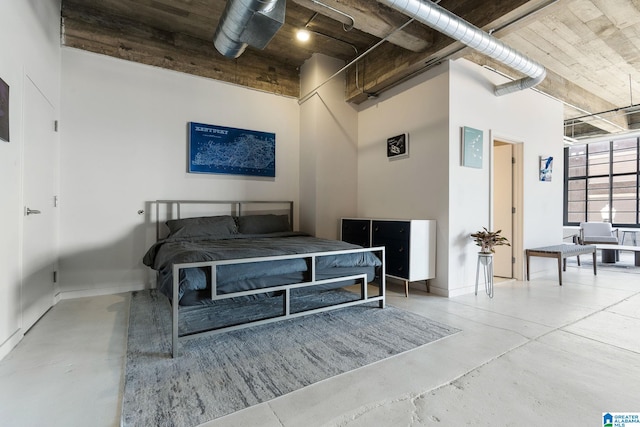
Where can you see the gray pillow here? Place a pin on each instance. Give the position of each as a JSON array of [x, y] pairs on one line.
[[206, 226], [262, 224]]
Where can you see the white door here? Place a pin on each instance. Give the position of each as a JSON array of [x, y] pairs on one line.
[[503, 207], [38, 247]]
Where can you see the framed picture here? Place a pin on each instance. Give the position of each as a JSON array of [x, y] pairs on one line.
[[398, 146], [472, 147], [225, 150], [546, 168], [4, 111]]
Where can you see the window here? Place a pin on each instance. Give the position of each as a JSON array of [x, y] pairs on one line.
[[601, 182]]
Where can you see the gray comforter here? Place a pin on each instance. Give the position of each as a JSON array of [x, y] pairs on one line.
[[162, 255]]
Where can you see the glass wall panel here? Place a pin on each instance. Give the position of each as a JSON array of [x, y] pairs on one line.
[[599, 158], [625, 156], [576, 217], [598, 188], [577, 162], [624, 198]]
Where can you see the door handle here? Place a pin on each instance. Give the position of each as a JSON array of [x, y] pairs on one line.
[[31, 211]]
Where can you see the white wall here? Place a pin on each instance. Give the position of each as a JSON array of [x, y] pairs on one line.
[[528, 117], [124, 143], [29, 48], [328, 149], [413, 187], [432, 184]]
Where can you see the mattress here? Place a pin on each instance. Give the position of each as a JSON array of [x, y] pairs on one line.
[[178, 249]]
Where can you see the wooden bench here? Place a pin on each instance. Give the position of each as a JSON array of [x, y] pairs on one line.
[[561, 252]]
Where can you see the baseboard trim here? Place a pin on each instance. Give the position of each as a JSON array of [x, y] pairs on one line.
[[438, 291], [83, 293], [10, 343], [464, 291]]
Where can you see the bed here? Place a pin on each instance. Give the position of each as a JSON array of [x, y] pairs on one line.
[[240, 264]]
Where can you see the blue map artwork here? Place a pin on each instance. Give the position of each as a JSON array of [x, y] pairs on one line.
[[219, 149]]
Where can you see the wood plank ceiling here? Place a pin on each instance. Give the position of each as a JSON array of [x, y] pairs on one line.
[[591, 48]]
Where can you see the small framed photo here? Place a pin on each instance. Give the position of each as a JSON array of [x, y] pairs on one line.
[[546, 168], [398, 146], [472, 147]]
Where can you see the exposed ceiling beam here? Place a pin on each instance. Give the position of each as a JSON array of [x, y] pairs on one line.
[[578, 101], [388, 65], [87, 29], [374, 18]]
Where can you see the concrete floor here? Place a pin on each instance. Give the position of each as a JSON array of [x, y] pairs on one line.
[[536, 354]]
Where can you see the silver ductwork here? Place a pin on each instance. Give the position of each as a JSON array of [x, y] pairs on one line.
[[248, 22], [457, 28]]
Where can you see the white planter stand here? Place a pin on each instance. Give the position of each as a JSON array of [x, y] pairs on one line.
[[486, 260]]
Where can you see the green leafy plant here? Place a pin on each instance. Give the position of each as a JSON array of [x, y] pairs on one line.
[[487, 240]]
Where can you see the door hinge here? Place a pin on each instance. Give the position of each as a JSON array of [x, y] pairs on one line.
[[513, 260], [513, 210], [55, 201], [55, 126], [513, 160], [55, 277]]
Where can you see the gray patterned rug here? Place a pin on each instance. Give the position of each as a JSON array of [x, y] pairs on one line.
[[221, 374]]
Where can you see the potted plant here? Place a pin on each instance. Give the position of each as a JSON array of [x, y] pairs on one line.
[[487, 240]]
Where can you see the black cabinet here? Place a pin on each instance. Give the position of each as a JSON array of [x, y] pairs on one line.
[[409, 244], [357, 231], [395, 237]]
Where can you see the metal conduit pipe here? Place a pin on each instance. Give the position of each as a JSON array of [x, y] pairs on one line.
[[457, 28], [235, 18]]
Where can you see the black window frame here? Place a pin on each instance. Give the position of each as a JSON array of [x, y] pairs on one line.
[[611, 178]]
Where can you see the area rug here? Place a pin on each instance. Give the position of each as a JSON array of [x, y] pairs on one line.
[[221, 374]]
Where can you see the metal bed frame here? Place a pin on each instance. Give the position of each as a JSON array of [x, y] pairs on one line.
[[236, 208]]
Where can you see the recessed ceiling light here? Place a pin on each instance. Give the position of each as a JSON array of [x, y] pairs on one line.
[[303, 35]]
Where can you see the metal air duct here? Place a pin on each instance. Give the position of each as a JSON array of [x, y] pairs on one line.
[[457, 28], [248, 22]]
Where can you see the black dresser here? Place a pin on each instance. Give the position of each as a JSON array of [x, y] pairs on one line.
[[410, 245]]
